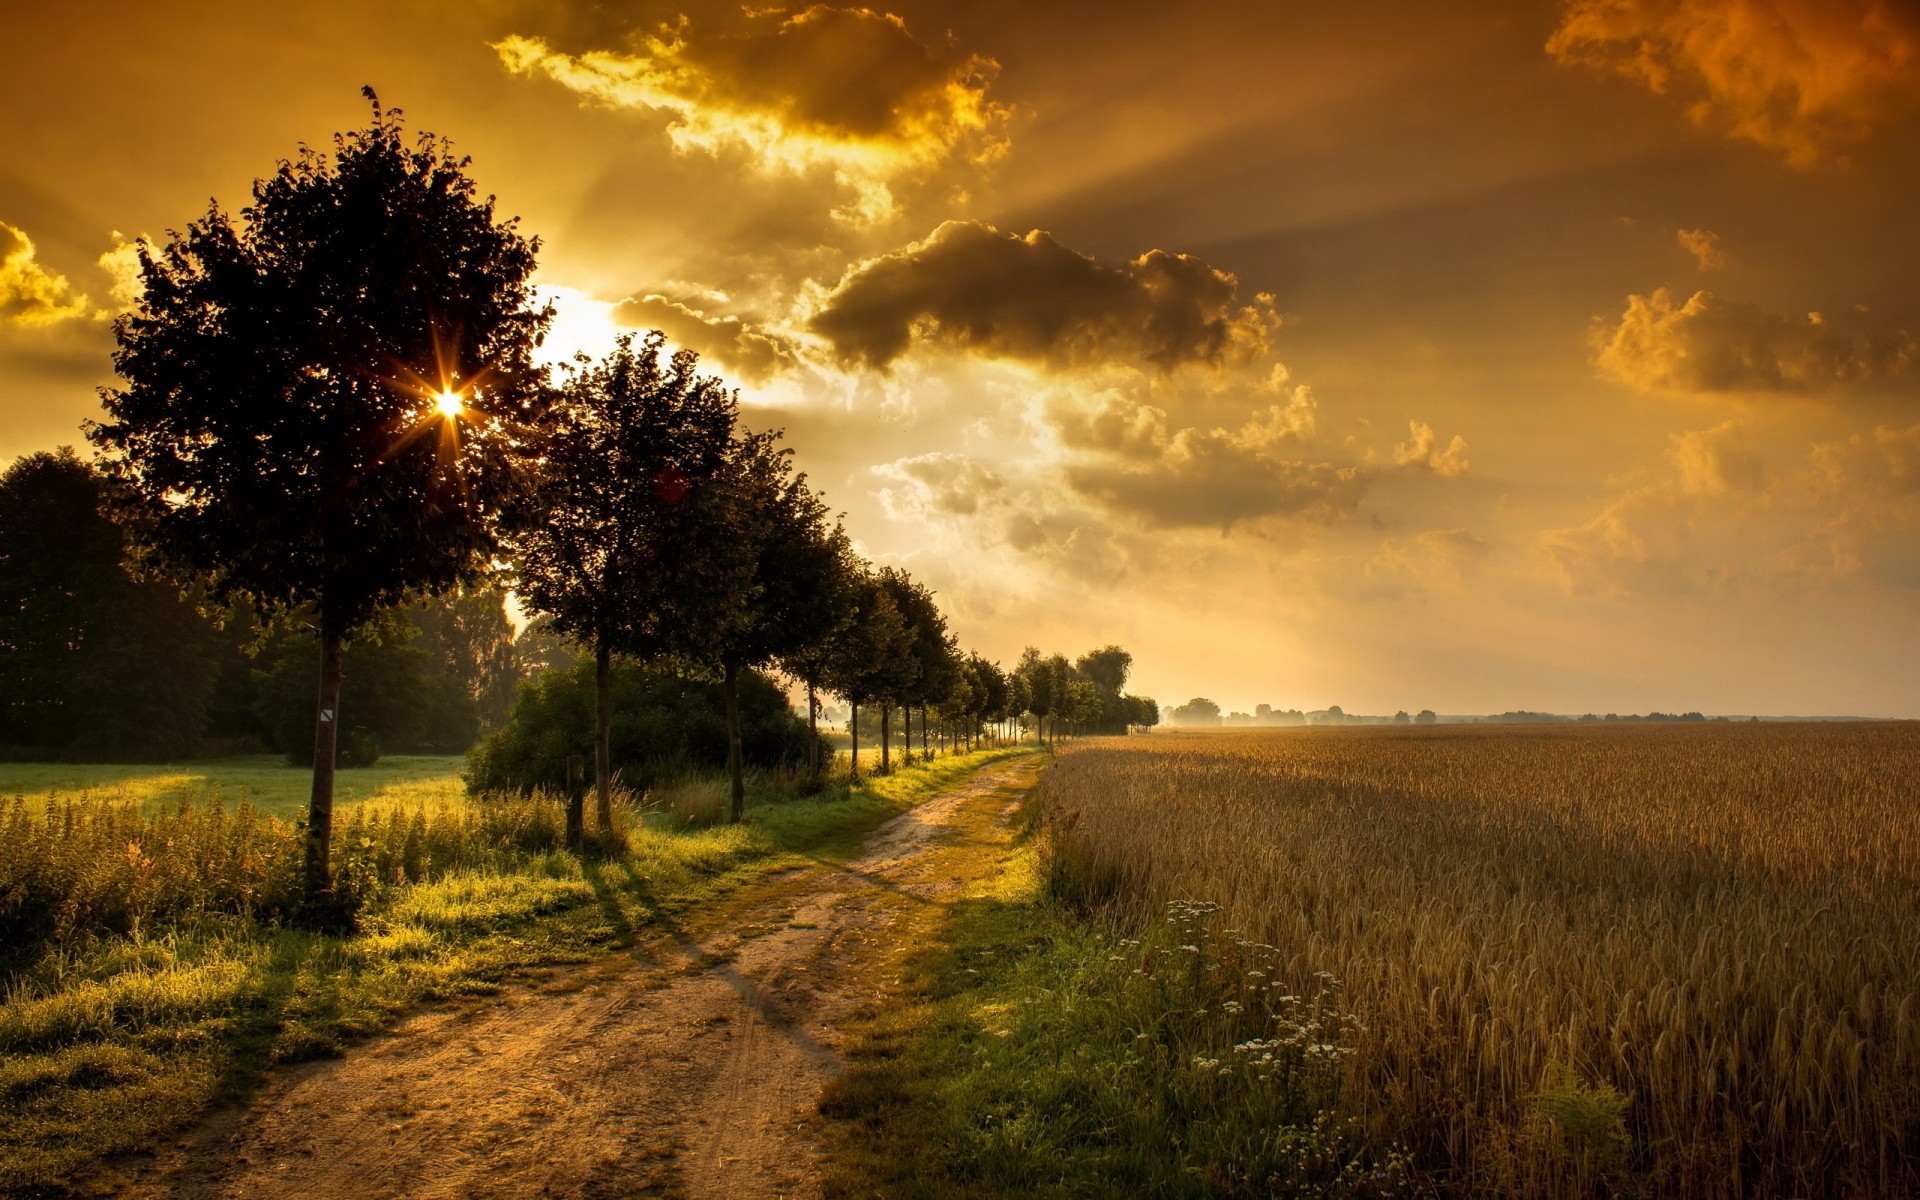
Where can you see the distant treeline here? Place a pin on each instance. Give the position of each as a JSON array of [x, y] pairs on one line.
[[1201, 712]]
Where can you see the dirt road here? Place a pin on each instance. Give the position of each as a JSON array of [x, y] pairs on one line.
[[689, 1067]]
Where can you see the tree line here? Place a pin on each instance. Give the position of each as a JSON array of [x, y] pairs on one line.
[[330, 405]]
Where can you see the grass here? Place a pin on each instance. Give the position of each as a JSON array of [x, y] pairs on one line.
[[1681, 961], [110, 1041], [1015, 1049], [264, 780]]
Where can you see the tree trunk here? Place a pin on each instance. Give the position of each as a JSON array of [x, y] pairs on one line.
[[886, 738], [853, 730], [576, 804], [813, 734], [326, 737], [603, 733], [737, 812], [924, 752]]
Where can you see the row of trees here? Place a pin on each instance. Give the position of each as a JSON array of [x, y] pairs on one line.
[[330, 406]]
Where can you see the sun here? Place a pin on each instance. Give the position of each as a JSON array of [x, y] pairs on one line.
[[448, 404]]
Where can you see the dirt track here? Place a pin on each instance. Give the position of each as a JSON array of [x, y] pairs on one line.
[[689, 1068]]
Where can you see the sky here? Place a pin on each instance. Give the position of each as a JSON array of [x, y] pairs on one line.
[[1395, 355]]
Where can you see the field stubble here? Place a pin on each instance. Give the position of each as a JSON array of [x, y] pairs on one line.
[[1723, 923]]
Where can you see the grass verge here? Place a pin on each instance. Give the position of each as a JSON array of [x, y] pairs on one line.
[[1019, 1049], [110, 1044]]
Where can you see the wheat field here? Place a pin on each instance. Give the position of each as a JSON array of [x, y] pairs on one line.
[[1676, 960]]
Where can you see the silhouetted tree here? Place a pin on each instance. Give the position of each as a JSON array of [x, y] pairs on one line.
[[628, 442], [766, 576], [868, 659], [279, 428], [94, 662]]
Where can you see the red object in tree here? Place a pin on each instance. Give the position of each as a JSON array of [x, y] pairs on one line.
[[672, 485]]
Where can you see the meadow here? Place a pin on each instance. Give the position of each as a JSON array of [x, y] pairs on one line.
[[263, 780], [1681, 961]]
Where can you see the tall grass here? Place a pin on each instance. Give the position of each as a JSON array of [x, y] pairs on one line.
[[76, 867], [1684, 960]]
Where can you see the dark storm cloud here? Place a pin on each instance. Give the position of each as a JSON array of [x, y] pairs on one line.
[[971, 287]]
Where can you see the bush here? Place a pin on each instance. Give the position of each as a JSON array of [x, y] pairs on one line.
[[662, 723]]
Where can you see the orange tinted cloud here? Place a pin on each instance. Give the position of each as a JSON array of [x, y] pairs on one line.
[[29, 293], [1714, 345], [1704, 245], [846, 88], [755, 352], [1420, 452], [1720, 517], [971, 287], [1802, 77]]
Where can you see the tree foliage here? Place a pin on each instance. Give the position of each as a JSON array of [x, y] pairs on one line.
[[95, 662], [276, 427], [280, 430], [664, 722]]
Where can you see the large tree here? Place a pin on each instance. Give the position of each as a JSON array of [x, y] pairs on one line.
[[326, 401], [630, 440]]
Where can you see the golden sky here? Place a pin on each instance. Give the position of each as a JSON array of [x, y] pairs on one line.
[[1474, 356]]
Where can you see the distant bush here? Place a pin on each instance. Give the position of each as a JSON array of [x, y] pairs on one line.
[[662, 724]]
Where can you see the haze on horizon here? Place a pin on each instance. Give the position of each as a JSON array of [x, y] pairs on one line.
[[1555, 356]]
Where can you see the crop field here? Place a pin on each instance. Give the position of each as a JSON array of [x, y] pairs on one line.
[[1677, 960]]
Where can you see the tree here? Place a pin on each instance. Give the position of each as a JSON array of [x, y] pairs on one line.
[[94, 662], [930, 666], [765, 576], [628, 442], [1106, 668], [865, 661], [1197, 711], [1042, 689], [468, 639], [327, 402], [664, 721]]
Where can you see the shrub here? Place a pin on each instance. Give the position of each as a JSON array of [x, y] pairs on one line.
[[662, 723]]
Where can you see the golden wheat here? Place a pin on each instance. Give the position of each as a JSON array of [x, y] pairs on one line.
[[1722, 922]]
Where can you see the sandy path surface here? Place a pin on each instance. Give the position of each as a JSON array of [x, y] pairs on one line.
[[690, 1068]]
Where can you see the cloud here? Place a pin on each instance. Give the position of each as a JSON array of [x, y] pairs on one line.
[[1801, 77], [1719, 517], [755, 352], [31, 295], [1715, 462], [850, 90], [971, 287], [1867, 491], [1418, 453], [1220, 478], [1442, 554], [1113, 422], [1669, 535], [930, 485], [1714, 345], [1704, 245]]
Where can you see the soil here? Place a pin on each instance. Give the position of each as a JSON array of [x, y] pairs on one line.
[[689, 1066]]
